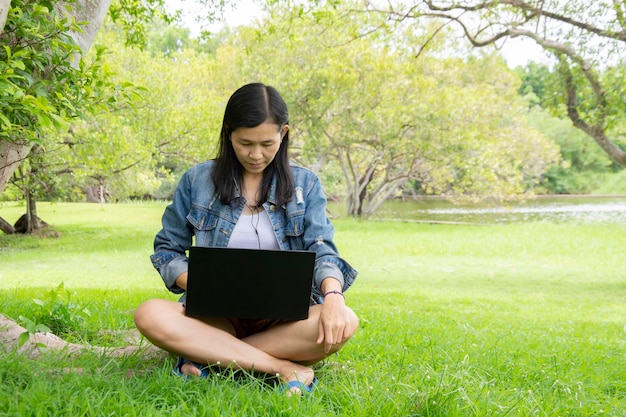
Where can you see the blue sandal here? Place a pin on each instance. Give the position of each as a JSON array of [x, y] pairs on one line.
[[304, 389], [179, 365]]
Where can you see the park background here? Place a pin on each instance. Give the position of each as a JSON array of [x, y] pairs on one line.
[[484, 288]]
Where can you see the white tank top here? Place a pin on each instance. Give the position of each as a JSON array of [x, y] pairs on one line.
[[254, 232]]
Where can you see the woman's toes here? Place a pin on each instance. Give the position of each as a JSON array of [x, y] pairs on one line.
[[190, 369]]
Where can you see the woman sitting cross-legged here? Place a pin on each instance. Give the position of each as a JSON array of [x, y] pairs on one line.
[[255, 199]]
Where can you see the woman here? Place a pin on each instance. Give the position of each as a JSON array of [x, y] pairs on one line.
[[250, 196]]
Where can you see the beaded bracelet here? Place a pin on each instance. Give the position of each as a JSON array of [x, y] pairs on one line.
[[334, 292]]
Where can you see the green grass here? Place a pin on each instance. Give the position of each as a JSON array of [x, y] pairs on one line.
[[507, 320]]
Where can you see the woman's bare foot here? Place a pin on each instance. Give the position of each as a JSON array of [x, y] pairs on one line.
[[189, 368], [300, 375], [303, 375]]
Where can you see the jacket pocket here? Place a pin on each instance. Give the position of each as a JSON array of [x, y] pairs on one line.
[[294, 226], [201, 219]]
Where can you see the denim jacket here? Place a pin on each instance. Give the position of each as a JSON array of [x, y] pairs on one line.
[[196, 210]]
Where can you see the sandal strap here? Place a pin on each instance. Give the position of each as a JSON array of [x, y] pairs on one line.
[[300, 385]]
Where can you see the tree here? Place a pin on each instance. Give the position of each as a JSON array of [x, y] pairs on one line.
[[139, 150], [585, 166], [174, 125], [42, 79], [45, 82], [586, 39], [42, 83], [363, 108]]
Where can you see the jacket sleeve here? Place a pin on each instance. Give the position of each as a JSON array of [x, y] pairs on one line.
[[318, 237], [174, 239]]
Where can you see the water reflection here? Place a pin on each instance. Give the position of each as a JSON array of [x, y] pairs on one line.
[[586, 210]]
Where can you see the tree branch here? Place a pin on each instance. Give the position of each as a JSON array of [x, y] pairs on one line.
[[535, 11], [595, 131]]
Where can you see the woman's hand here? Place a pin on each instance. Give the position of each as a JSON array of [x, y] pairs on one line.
[[335, 324]]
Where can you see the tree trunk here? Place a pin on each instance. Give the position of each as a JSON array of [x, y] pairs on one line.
[[4, 10], [32, 212], [11, 155], [91, 11], [6, 227], [101, 192], [40, 343], [28, 227], [32, 221]]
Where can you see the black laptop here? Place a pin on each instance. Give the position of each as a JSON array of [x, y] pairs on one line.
[[249, 283]]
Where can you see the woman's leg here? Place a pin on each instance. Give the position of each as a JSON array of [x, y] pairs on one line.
[[297, 340], [212, 341]]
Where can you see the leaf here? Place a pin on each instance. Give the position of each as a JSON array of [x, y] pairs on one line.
[[7, 50], [4, 122], [43, 328], [23, 338], [17, 64], [58, 121]]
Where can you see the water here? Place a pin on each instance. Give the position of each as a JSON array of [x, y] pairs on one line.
[[564, 209]]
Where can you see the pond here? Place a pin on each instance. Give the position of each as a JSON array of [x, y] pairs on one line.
[[610, 209]]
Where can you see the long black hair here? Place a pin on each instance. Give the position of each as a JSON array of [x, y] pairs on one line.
[[250, 106]]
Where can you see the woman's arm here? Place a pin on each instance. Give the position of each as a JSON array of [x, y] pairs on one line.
[[318, 237], [175, 237]]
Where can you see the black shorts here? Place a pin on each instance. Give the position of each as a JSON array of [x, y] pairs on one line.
[[248, 327]]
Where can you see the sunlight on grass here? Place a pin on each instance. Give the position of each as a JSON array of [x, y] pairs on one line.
[[516, 320], [98, 247]]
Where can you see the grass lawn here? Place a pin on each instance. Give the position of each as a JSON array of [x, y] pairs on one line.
[[503, 320]]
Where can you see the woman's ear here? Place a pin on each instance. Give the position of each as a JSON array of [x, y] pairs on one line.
[[284, 131]]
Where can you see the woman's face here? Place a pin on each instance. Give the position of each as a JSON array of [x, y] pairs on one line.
[[256, 147]]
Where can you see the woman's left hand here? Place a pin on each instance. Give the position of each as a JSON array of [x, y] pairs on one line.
[[335, 323]]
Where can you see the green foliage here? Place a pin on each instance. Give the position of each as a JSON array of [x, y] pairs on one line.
[[11, 193], [43, 82], [167, 40], [584, 164], [437, 126], [141, 150], [133, 16], [31, 327], [46, 83], [35, 60], [365, 131], [585, 41], [131, 152], [57, 313], [613, 78], [540, 85], [437, 121], [136, 151], [613, 184]]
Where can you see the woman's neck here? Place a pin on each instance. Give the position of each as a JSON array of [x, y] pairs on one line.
[[252, 189]]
